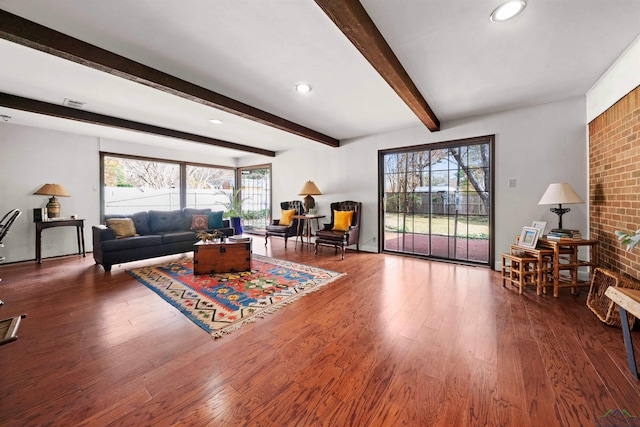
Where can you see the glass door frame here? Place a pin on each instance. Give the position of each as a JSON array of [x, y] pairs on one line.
[[487, 139]]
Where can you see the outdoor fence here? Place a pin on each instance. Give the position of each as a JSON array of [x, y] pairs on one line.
[[437, 203]]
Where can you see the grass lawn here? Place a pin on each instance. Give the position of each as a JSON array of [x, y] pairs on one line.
[[473, 227]]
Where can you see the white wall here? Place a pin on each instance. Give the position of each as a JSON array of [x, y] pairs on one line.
[[31, 157]]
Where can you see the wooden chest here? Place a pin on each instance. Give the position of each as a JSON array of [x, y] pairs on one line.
[[225, 257]]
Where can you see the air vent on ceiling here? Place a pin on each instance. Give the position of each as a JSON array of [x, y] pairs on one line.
[[73, 104]]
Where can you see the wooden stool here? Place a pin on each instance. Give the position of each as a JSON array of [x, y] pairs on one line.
[[521, 271], [545, 265]]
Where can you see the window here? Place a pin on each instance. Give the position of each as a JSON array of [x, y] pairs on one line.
[[134, 184], [209, 187], [438, 200]]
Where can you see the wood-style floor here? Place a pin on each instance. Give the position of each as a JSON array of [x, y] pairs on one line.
[[398, 341]]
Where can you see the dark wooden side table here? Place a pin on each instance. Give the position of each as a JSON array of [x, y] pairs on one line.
[[41, 225]]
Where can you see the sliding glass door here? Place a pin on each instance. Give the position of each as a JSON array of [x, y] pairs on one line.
[[437, 200], [256, 198]]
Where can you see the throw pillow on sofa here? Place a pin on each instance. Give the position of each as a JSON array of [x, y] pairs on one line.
[[215, 220], [122, 227], [199, 222]]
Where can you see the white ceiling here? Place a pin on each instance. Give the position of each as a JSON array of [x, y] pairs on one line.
[[255, 51]]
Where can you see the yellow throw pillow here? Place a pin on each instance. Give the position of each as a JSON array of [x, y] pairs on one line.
[[342, 220], [123, 227], [286, 217]]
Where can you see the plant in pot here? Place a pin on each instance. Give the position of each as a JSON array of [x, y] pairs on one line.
[[234, 211]]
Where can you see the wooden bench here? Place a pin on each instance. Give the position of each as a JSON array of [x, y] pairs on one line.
[[627, 300]]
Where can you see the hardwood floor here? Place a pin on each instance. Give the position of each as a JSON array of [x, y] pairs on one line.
[[398, 341]]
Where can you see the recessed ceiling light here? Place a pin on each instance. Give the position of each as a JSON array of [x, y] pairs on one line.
[[216, 121], [508, 10], [303, 87]]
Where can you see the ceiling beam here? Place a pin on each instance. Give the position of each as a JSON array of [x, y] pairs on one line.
[[352, 19], [35, 36], [54, 110]]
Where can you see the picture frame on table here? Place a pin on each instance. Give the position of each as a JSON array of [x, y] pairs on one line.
[[540, 225], [529, 237]]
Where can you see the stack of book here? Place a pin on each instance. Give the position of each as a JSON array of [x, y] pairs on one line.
[[564, 234]]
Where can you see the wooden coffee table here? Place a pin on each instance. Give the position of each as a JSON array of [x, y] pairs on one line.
[[225, 257]]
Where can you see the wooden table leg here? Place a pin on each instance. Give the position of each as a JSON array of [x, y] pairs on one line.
[[39, 245], [298, 234], [556, 271], [84, 251]]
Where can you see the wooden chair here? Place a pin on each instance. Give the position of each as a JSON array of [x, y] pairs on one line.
[[341, 238], [288, 230]]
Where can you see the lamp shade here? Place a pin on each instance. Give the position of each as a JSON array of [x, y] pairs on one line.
[[309, 189], [560, 194], [52, 190]]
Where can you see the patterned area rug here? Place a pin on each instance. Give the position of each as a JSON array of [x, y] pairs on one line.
[[222, 303]]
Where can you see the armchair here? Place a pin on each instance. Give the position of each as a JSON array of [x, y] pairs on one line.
[[333, 234], [285, 230]]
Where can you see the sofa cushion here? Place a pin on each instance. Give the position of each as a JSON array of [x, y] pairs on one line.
[[166, 221], [141, 221], [131, 243], [122, 227], [179, 236]]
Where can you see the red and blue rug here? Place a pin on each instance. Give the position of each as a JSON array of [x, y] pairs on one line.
[[222, 303]]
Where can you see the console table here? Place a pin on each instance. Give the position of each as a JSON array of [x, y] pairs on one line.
[[41, 225]]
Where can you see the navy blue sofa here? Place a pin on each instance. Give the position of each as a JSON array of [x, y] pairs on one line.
[[160, 233]]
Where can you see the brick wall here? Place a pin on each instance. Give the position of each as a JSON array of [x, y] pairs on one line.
[[614, 182]]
